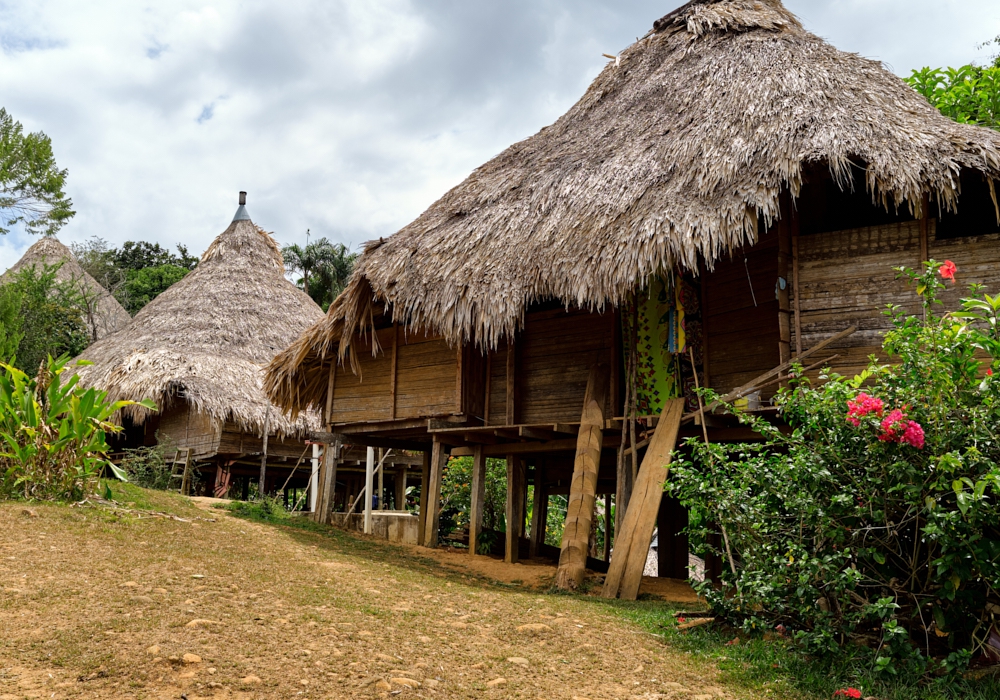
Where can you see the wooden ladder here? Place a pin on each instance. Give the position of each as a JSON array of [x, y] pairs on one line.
[[181, 469]]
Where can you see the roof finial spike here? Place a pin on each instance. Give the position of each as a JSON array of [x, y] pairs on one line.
[[241, 213]]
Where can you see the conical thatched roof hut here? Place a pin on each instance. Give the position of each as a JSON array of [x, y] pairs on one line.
[[104, 315], [199, 349], [677, 153]]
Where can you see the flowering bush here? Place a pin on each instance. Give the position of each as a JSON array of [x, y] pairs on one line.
[[876, 518]]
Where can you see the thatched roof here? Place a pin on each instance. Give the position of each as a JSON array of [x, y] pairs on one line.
[[105, 314], [677, 152], [207, 339]]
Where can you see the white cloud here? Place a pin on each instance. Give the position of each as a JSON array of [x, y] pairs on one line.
[[348, 117]]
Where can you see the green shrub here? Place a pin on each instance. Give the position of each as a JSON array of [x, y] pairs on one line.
[[53, 433], [876, 521], [148, 467], [267, 509]]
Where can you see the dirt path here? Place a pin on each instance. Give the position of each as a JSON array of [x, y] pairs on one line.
[[104, 606]]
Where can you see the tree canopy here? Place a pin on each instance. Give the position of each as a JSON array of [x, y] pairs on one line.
[[325, 268], [969, 94], [31, 185], [137, 272]]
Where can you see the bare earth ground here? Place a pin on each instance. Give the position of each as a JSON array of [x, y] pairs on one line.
[[95, 604]]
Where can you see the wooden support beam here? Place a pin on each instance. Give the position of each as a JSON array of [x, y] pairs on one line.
[[478, 499], [369, 474], [399, 484], [632, 544], [520, 448], [796, 296], [534, 433], [583, 490], [381, 479], [486, 388], [514, 510], [425, 478], [784, 272], [331, 384], [328, 482], [511, 413], [438, 460], [392, 371]]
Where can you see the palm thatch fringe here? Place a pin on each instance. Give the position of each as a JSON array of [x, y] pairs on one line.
[[678, 152], [206, 340]]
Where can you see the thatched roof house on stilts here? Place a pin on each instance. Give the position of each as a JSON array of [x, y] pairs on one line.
[[730, 194], [102, 312], [199, 351]]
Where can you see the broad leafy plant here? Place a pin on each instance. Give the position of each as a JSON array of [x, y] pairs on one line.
[[53, 433], [876, 519]]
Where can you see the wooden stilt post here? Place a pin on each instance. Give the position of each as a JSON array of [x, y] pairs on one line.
[[672, 549], [609, 527], [381, 479], [369, 479], [583, 489], [515, 507], [399, 495], [538, 502], [438, 460], [636, 533], [262, 485], [478, 498], [425, 479]]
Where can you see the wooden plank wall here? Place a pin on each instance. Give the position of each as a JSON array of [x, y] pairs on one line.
[[554, 354], [847, 277], [185, 428], [234, 441], [977, 259], [742, 338], [425, 383]]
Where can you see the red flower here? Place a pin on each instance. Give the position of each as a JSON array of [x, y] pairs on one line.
[[913, 435], [861, 406], [948, 271], [848, 693], [989, 372]]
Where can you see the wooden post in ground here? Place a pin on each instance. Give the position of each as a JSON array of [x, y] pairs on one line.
[[609, 527], [381, 479], [328, 482], [478, 498], [399, 497], [539, 501], [438, 460], [672, 549], [515, 507], [583, 489], [369, 479], [261, 485], [425, 478], [636, 533]]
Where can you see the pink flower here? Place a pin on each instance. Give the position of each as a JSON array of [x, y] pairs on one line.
[[948, 270], [861, 406], [896, 428], [890, 424], [913, 435]]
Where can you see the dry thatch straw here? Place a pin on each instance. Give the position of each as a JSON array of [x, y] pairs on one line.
[[207, 338], [677, 152], [102, 314]]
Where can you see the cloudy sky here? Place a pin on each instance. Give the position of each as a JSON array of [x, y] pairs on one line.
[[346, 117]]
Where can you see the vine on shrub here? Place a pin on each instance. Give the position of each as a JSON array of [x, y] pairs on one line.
[[876, 520]]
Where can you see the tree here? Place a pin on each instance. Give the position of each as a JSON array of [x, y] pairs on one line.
[[142, 286], [325, 268], [970, 94], [49, 319], [136, 273], [31, 186]]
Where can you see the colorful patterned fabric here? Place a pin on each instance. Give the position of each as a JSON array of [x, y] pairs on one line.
[[660, 337]]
